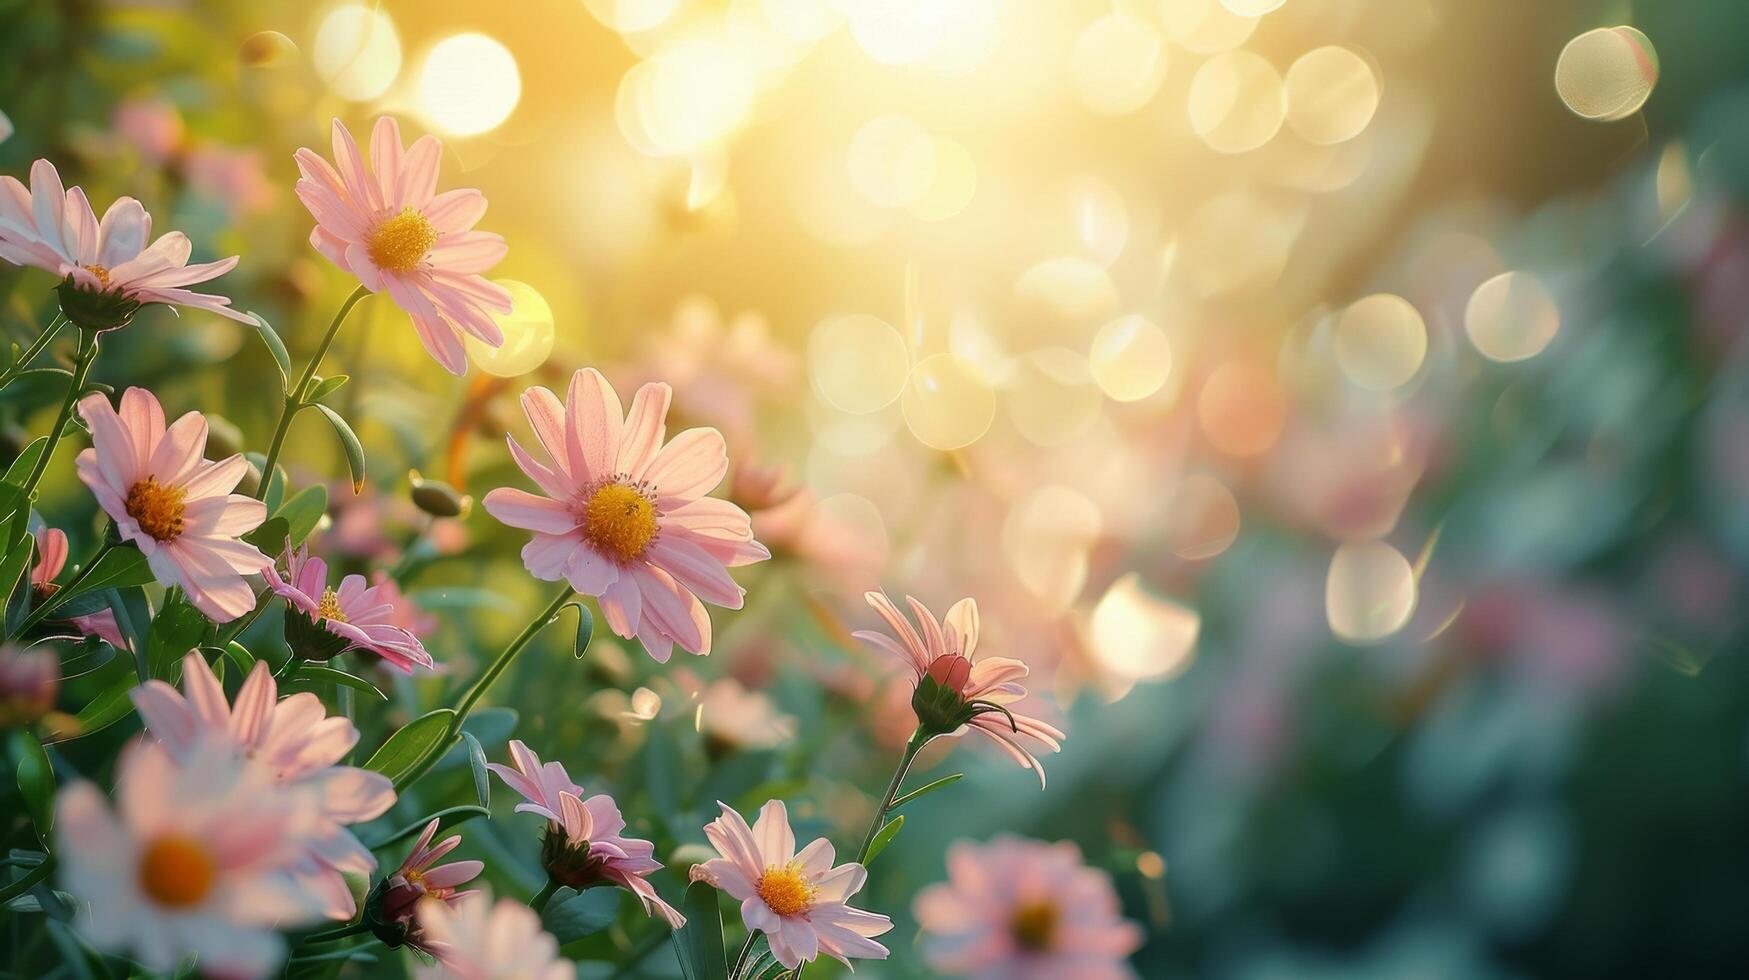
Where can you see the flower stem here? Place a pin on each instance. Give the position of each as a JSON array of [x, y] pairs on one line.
[[48, 605], [335, 935], [919, 738], [741, 959], [37, 347], [539, 901], [294, 399], [498, 666], [29, 880], [82, 362]]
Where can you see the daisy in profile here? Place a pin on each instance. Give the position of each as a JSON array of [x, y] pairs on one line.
[[294, 744], [392, 909], [952, 692], [385, 223], [584, 845], [51, 557], [1024, 908], [625, 517], [194, 859], [324, 622], [477, 940], [108, 270], [166, 497], [796, 899]]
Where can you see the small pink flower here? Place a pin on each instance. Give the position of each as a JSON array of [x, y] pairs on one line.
[[56, 230], [1024, 909], [796, 899], [942, 655], [386, 224], [477, 940], [51, 557], [407, 613], [357, 617], [626, 518], [172, 502], [294, 743], [584, 845], [236, 177], [152, 126], [392, 910], [29, 681]]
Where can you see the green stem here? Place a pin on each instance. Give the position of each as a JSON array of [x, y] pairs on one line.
[[30, 880], [30, 353], [335, 935], [41, 612], [82, 362], [741, 959], [294, 401], [499, 665], [539, 901], [919, 738]]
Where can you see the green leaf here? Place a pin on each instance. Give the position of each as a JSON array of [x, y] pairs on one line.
[[446, 818], [477, 762], [349, 442], [572, 915], [585, 626], [303, 512], [12, 568], [239, 654], [926, 789], [120, 567], [177, 629], [276, 347], [699, 943], [271, 536], [36, 782], [325, 387], [887, 832], [108, 707], [407, 747], [21, 467], [316, 672]]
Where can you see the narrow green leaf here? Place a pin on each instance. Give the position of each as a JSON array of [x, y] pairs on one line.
[[270, 537], [412, 743], [925, 789], [239, 654], [887, 832], [108, 707], [699, 943], [585, 626], [572, 915], [275, 347], [303, 511], [446, 818], [12, 568], [21, 467], [120, 567], [325, 387], [477, 762], [36, 782], [349, 442], [316, 672]]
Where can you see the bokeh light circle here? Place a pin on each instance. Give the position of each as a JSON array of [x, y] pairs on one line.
[[1048, 537], [1511, 317], [1052, 400], [357, 52], [1117, 64], [632, 16], [267, 49], [947, 402], [858, 363], [469, 84], [1332, 95], [1202, 518], [954, 184], [1139, 636], [1252, 8], [1380, 341], [1607, 74], [1205, 26], [1236, 102], [1242, 408], [1370, 592], [892, 161], [1131, 358], [528, 334]]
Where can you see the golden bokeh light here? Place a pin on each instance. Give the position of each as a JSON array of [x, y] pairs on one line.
[[1052, 400], [1069, 288], [1607, 74], [685, 98], [469, 84], [1236, 102], [947, 402], [1369, 593], [1380, 341], [528, 334], [267, 49], [1117, 64], [1511, 317], [857, 363], [954, 184], [802, 20], [1233, 241], [1332, 95], [1252, 8], [1242, 408], [1101, 218], [891, 161], [1138, 636], [357, 52], [1202, 518], [1047, 538], [1205, 26], [632, 16], [896, 32], [1131, 358]]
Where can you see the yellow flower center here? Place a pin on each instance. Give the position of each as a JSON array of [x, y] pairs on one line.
[[177, 871], [330, 607], [785, 890], [619, 520], [157, 509], [101, 273], [1034, 925], [399, 243]]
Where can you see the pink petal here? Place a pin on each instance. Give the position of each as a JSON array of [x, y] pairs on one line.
[[691, 465]]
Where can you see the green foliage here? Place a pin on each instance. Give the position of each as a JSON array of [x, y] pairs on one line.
[[699, 943]]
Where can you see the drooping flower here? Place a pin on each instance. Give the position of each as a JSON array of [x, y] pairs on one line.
[[172, 502], [391, 910], [29, 681], [952, 692], [323, 622], [1024, 908], [51, 557], [584, 845], [477, 940], [107, 269], [796, 899], [625, 518], [194, 859], [295, 744], [386, 224]]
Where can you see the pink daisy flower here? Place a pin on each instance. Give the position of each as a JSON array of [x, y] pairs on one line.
[[393, 905], [332, 621], [1018, 909], [109, 260], [477, 940], [295, 744], [625, 517], [952, 692], [195, 859], [51, 557], [584, 844], [386, 224], [796, 899], [172, 502]]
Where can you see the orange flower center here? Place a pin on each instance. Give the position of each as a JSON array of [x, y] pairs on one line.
[[785, 890], [329, 608], [157, 509], [399, 243], [177, 871], [1034, 925], [619, 520], [101, 273]]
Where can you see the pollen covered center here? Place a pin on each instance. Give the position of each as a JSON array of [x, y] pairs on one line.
[[785, 890], [176, 871], [399, 243], [619, 520], [157, 509], [329, 608], [101, 273], [1034, 925]]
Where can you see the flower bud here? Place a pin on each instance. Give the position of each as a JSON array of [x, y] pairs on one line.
[[438, 498], [94, 310], [223, 438], [29, 681], [251, 481]]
